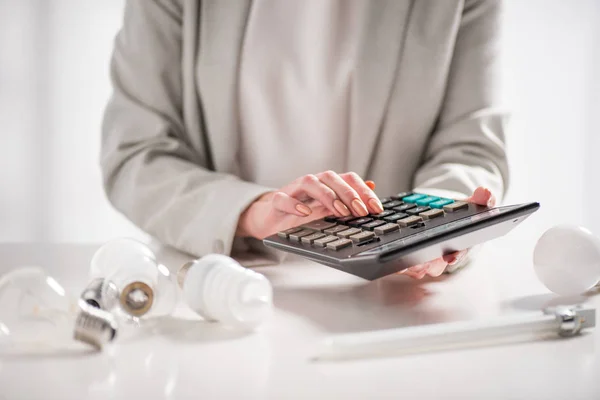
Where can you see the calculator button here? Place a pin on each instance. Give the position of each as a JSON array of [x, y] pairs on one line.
[[410, 221], [331, 218], [413, 198], [459, 205], [362, 237], [286, 234], [360, 221], [417, 210], [344, 220], [401, 195], [392, 204], [335, 229], [339, 244], [296, 236], [349, 232], [383, 214], [319, 225], [311, 238], [431, 214], [373, 224], [387, 228], [427, 200], [440, 203], [404, 207], [384, 200], [327, 239], [395, 217]]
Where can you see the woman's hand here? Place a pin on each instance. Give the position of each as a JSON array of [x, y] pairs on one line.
[[436, 267], [308, 198]]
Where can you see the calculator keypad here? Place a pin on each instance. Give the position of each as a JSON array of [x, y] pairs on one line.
[[403, 211]]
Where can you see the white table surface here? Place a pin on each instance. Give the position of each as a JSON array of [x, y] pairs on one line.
[[187, 358]]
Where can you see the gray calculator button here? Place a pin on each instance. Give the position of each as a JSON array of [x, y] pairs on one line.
[[459, 205], [319, 225], [387, 228], [431, 214], [286, 234], [296, 236], [335, 229], [327, 239], [410, 221], [371, 225], [349, 232], [339, 244], [362, 237], [311, 238]]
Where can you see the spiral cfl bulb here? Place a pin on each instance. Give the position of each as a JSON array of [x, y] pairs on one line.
[[219, 289]]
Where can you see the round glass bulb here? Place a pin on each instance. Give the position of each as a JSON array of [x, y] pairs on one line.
[[133, 280], [567, 260]]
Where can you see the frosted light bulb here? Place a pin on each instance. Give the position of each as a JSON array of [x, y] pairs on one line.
[[219, 289], [126, 276], [37, 314], [567, 260]]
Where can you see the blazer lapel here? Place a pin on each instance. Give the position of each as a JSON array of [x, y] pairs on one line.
[[378, 59], [222, 29]]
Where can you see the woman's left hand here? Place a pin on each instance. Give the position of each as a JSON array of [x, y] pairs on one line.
[[436, 267]]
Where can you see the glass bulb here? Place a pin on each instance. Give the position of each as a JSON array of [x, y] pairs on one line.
[[37, 314], [567, 260], [126, 276]]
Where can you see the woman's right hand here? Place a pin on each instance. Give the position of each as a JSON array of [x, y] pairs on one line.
[[308, 198]]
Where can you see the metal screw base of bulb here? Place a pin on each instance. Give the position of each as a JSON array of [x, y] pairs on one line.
[[94, 326], [101, 293], [136, 298]]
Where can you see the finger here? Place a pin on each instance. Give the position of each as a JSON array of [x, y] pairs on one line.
[[311, 185], [482, 196], [456, 257], [367, 196], [345, 192], [287, 204], [417, 271], [370, 184], [437, 267]]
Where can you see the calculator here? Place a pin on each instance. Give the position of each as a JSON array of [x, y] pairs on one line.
[[413, 228]]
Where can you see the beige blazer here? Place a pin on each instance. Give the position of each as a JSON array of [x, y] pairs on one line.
[[427, 83]]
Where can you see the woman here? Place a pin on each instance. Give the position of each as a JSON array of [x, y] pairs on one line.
[[232, 120]]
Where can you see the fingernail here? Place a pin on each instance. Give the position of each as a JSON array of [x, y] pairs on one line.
[[359, 207], [370, 184], [376, 205], [303, 209], [341, 208], [456, 260]]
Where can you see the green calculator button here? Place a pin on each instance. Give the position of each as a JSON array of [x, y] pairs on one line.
[[440, 203], [427, 200], [413, 198]]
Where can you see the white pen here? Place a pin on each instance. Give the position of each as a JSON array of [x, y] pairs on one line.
[[563, 321]]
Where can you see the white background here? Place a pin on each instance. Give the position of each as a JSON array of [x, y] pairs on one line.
[[54, 85]]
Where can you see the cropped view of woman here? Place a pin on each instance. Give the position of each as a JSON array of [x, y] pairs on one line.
[[233, 120]]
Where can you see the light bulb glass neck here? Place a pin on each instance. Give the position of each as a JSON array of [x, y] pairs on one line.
[[182, 272]]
